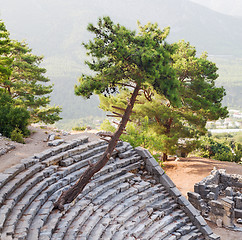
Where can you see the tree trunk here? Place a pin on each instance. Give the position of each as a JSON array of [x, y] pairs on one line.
[[69, 195], [164, 157], [168, 129]]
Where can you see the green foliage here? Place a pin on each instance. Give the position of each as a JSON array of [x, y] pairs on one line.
[[220, 150], [238, 137], [5, 61], [120, 56], [233, 137], [138, 134], [81, 128], [197, 76], [169, 128], [12, 117], [17, 136], [237, 156], [107, 126], [24, 80]]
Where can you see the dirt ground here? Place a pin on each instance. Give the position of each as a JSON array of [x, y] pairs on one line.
[[184, 172], [35, 143]]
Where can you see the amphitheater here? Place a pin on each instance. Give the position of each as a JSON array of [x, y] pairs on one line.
[[130, 198]]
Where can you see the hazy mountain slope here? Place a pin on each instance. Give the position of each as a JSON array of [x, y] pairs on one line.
[[231, 7], [56, 29], [54, 26]]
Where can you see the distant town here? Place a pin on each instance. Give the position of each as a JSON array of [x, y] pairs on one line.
[[231, 124]]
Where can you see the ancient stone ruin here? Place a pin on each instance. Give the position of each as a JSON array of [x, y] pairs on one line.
[[130, 198], [218, 197]]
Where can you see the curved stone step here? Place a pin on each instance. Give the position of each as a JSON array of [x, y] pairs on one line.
[[14, 190], [193, 235], [124, 193], [106, 178], [98, 196], [13, 177], [23, 189], [168, 229], [122, 213], [119, 202], [74, 178]]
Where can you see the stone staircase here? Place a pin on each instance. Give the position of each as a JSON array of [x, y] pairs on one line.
[[130, 198]]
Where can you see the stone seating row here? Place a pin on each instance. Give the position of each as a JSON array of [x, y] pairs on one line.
[[49, 180], [124, 200]]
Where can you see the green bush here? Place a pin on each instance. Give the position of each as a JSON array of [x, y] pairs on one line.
[[17, 136], [12, 117], [107, 126], [210, 148], [81, 128]]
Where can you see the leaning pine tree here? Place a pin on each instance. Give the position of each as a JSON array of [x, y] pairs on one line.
[[123, 59]]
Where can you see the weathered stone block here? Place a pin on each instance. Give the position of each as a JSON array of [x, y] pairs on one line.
[[56, 150], [201, 189], [183, 201], [219, 222], [66, 162], [192, 195], [158, 171], [191, 211], [227, 203], [227, 221], [229, 191], [44, 155], [214, 188], [56, 142], [175, 192], [206, 230], [216, 208], [238, 202], [144, 153], [211, 196], [199, 220], [28, 162], [196, 188], [151, 162], [213, 237], [4, 178], [96, 143], [166, 181], [238, 213]]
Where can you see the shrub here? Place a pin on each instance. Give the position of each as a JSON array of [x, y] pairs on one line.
[[12, 117], [210, 148], [81, 128], [17, 136], [107, 126]]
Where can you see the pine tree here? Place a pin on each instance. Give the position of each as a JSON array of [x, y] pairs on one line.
[[24, 80], [5, 61], [27, 84], [201, 101], [123, 58]]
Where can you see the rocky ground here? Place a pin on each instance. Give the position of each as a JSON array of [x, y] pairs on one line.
[[188, 171], [184, 172]]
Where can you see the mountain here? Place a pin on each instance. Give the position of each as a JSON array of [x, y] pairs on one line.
[[56, 29], [231, 7]]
